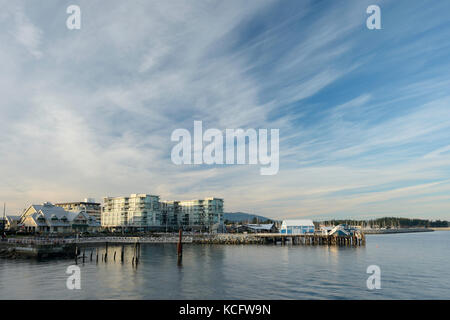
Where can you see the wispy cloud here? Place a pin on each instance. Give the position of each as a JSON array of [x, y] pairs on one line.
[[26, 33], [363, 115]]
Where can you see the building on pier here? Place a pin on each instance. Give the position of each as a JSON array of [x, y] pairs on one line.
[[343, 230], [297, 227]]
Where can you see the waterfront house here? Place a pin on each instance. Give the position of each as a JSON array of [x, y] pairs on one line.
[[325, 230], [48, 218], [297, 227], [342, 230]]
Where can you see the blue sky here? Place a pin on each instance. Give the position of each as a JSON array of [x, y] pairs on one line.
[[364, 115]]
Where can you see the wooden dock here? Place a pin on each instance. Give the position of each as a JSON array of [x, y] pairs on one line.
[[356, 239], [43, 248]]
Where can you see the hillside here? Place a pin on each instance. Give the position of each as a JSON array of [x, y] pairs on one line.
[[243, 217]]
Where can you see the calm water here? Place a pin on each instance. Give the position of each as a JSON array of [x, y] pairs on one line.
[[413, 266]]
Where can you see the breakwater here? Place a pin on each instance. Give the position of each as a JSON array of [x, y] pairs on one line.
[[36, 249]]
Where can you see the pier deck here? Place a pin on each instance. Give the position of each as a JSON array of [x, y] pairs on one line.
[[41, 248], [274, 238]]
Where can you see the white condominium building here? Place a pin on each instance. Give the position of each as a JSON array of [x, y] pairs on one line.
[[138, 211], [171, 214], [206, 212], [146, 212], [88, 205]]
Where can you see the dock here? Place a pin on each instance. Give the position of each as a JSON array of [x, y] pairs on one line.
[[357, 239], [70, 247]]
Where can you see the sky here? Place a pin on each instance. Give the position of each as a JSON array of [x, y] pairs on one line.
[[363, 115]]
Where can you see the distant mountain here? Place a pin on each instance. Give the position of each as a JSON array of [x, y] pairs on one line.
[[242, 217]]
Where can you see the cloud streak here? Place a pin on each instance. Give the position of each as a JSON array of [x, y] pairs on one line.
[[363, 132]]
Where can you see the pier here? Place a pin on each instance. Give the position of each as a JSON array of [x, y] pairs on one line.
[[275, 238], [71, 247]]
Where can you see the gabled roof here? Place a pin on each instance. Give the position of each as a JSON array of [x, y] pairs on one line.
[[50, 212], [13, 218], [267, 226]]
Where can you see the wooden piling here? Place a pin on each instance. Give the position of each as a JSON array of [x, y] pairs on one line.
[[180, 246]]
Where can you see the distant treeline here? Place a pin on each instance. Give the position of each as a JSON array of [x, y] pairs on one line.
[[252, 221], [389, 222]]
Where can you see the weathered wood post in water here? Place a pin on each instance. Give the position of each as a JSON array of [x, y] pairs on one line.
[[122, 253], [180, 245], [106, 252], [136, 252]]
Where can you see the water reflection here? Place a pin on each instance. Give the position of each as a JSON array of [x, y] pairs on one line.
[[413, 266]]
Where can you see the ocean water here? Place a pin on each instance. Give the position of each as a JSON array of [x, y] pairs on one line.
[[413, 266]]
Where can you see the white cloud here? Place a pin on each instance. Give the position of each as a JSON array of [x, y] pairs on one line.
[[93, 115], [26, 33]]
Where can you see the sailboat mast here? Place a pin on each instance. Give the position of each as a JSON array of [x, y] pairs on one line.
[[4, 217]]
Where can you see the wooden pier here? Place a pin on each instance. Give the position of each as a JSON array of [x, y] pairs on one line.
[[357, 239], [76, 247]]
